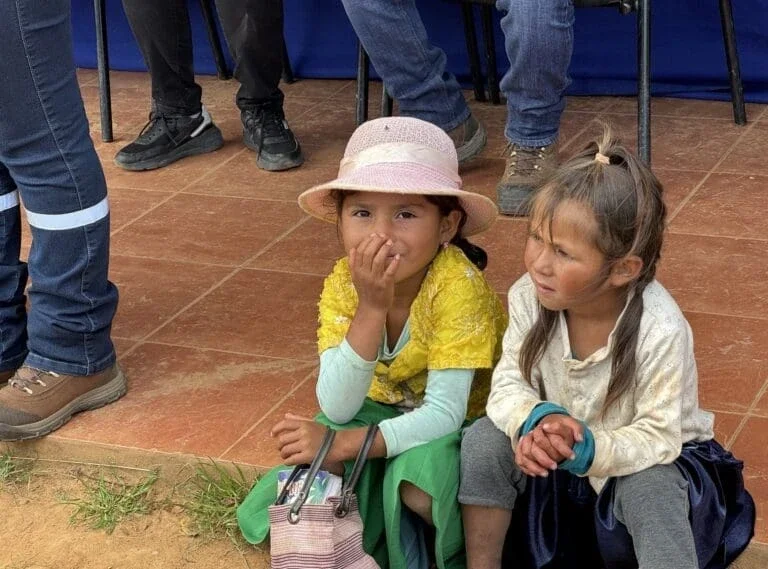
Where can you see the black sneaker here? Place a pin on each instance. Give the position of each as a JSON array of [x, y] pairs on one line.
[[167, 138], [266, 132]]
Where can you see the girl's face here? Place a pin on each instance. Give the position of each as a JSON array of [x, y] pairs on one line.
[[415, 226], [569, 272]]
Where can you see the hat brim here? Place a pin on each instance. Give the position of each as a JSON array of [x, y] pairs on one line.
[[481, 211]]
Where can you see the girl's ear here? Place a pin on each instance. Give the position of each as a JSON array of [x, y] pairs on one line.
[[626, 270], [449, 225]]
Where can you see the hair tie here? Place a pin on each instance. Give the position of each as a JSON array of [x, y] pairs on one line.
[[602, 158]]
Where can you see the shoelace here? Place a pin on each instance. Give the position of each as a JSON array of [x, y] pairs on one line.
[[526, 161], [272, 124], [22, 380], [165, 126]]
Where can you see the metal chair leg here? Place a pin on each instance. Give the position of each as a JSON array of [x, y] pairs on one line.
[[287, 69], [102, 59], [361, 96], [732, 57], [490, 54], [474, 56], [213, 38], [644, 80], [386, 102]]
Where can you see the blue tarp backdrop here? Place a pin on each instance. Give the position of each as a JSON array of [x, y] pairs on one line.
[[688, 57]]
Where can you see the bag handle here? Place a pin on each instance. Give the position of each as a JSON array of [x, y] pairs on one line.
[[349, 486], [313, 469]]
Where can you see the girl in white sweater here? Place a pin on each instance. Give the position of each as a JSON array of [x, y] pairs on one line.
[[595, 451]]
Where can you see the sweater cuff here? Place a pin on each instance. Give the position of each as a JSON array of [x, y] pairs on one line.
[[585, 454], [538, 413]]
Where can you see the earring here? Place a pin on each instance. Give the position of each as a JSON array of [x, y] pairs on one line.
[[445, 244]]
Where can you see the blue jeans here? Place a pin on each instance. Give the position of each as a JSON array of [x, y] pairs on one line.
[[48, 160], [538, 41]]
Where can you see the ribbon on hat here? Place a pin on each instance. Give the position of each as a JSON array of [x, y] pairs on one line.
[[402, 153]]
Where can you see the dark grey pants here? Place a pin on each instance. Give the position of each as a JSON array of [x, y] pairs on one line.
[[254, 32], [652, 504]]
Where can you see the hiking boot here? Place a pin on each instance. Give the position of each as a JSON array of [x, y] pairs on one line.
[[469, 138], [36, 402], [526, 168], [167, 138], [266, 132]]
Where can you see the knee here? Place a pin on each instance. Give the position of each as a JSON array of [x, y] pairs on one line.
[[662, 482], [484, 447], [417, 501]]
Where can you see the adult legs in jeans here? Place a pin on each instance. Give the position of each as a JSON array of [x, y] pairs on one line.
[[538, 39], [413, 70], [47, 158]]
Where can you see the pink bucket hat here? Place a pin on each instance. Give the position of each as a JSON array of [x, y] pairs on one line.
[[401, 155]]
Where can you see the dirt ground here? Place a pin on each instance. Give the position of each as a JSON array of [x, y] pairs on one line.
[[35, 533]]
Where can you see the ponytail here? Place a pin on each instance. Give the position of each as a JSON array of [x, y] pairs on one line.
[[473, 252]]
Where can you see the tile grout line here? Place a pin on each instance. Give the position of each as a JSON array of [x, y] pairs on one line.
[[177, 192], [733, 237], [303, 273], [220, 351], [250, 198], [706, 313], [266, 414], [671, 217], [747, 415], [578, 134], [215, 286], [180, 261]]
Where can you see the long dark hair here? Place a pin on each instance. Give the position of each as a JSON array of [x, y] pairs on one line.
[[626, 199], [445, 205]]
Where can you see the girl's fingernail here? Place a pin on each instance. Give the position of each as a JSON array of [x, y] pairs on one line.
[[389, 242]]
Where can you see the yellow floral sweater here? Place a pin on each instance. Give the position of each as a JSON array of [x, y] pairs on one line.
[[456, 322]]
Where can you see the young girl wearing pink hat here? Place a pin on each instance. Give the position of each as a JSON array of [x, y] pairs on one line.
[[409, 332]]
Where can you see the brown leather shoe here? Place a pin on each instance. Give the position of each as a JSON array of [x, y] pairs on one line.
[[36, 402], [526, 167]]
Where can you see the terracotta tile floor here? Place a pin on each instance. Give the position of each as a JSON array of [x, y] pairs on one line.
[[219, 270]]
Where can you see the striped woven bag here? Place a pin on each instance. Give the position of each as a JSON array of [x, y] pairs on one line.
[[320, 536]]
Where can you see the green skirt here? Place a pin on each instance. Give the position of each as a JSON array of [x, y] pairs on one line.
[[432, 467]]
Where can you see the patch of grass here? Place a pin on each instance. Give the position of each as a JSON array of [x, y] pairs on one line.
[[107, 502], [214, 495], [14, 470]]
